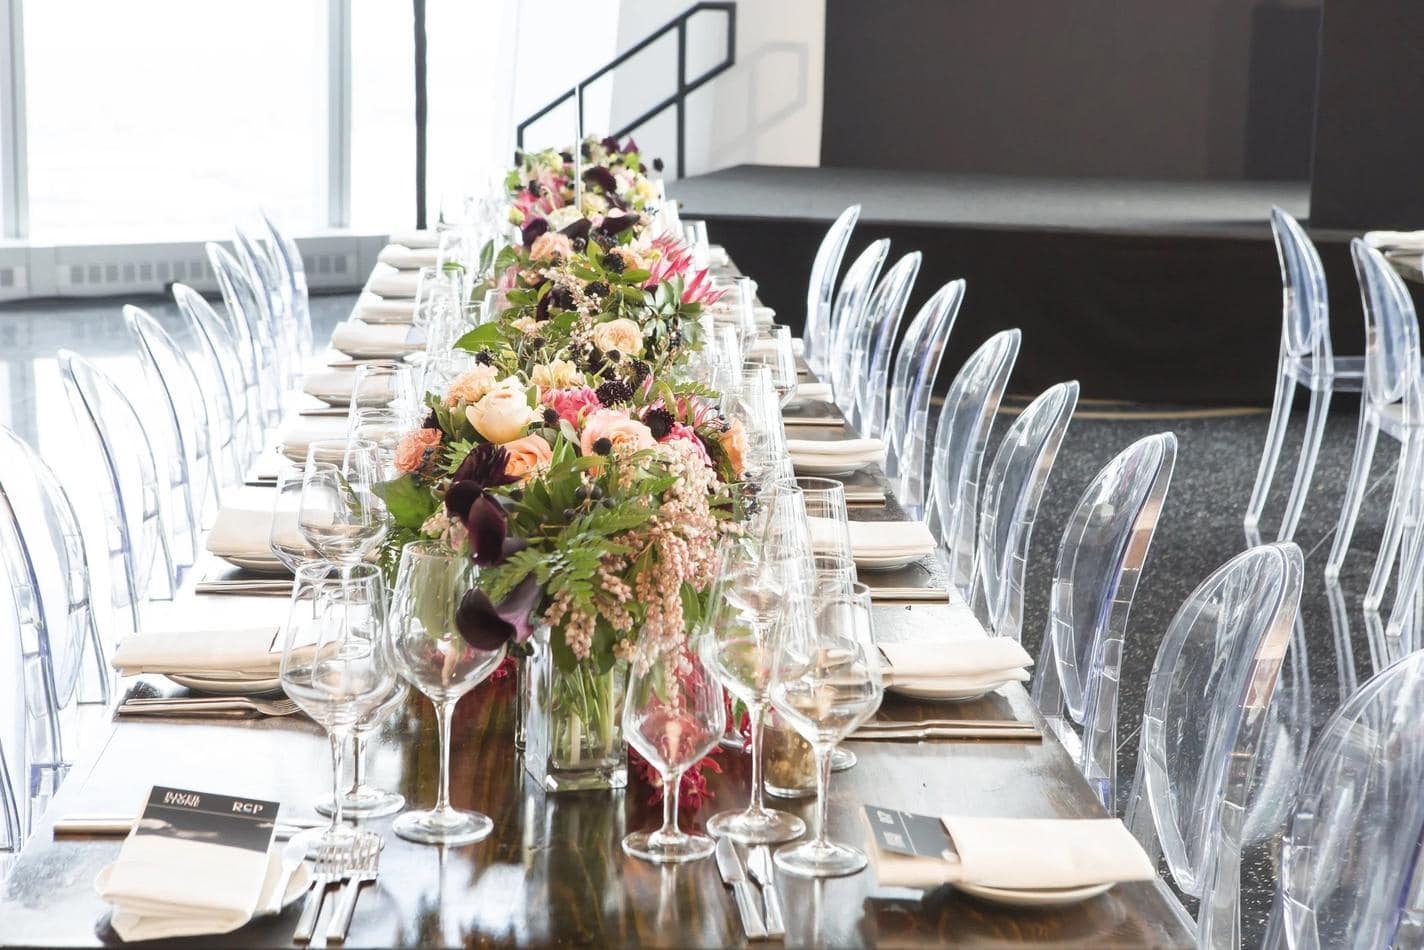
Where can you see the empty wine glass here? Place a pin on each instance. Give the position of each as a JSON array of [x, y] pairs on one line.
[[755, 405], [436, 659], [384, 383], [738, 642], [773, 350], [385, 426], [285, 538], [334, 664], [673, 715], [825, 683], [746, 313], [826, 515], [341, 516], [362, 800]]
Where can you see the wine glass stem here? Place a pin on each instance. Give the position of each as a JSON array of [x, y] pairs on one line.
[[823, 791], [672, 788], [358, 763], [444, 712], [337, 745], [757, 714]]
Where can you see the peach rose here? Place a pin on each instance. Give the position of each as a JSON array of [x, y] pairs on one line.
[[624, 434], [417, 450], [557, 374], [632, 260], [526, 456], [471, 387], [734, 443], [502, 415], [551, 246], [623, 335]]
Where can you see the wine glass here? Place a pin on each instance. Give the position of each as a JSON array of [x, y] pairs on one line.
[[738, 641], [673, 715], [773, 350], [385, 426], [286, 539], [746, 313], [755, 405], [826, 514], [383, 383], [436, 659], [334, 665], [777, 519], [826, 682], [341, 516]]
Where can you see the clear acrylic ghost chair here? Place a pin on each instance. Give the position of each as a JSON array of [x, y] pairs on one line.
[[961, 439], [141, 562], [821, 289], [15, 759], [1350, 859], [875, 343], [50, 578], [1012, 492], [1207, 699], [245, 312], [846, 317], [289, 259], [1100, 561], [222, 360], [272, 303], [1306, 359], [1393, 403], [912, 380], [170, 374]]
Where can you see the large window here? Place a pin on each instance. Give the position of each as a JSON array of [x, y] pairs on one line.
[[382, 115], [169, 120]]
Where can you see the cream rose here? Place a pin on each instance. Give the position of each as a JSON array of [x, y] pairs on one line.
[[623, 335], [624, 435], [502, 415], [558, 374], [471, 387]]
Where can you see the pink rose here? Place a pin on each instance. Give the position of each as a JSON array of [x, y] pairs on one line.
[[571, 404], [688, 434], [625, 435], [417, 450], [526, 456]]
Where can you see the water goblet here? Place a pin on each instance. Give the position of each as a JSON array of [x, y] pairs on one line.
[[826, 682], [341, 515], [432, 655], [673, 715]]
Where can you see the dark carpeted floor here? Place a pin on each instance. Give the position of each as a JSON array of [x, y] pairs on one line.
[[1200, 529]]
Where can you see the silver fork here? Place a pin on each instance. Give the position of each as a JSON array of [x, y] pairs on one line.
[[207, 704], [760, 864], [332, 860], [367, 863]]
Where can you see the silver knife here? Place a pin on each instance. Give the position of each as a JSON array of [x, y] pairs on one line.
[[293, 854], [760, 864], [730, 867]]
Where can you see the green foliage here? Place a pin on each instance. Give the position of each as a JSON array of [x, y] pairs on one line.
[[408, 501]]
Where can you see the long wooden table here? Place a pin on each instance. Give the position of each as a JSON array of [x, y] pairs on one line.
[[552, 872]]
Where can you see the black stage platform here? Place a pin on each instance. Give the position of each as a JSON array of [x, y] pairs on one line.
[[1160, 291]]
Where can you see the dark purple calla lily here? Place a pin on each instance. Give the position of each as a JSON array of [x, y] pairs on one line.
[[532, 229], [577, 229], [488, 527], [487, 626], [615, 224], [602, 177]]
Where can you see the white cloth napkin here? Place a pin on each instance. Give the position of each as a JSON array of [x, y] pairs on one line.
[[386, 281], [820, 392], [403, 257], [168, 887], [242, 532], [416, 239], [964, 662], [373, 309], [717, 256], [363, 340], [334, 385], [1024, 854], [302, 431], [1395, 240], [825, 451], [874, 539], [253, 653]]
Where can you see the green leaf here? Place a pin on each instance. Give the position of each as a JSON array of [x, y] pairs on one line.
[[480, 338], [408, 502]]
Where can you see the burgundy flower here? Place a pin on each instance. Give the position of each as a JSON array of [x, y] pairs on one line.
[[469, 500], [532, 229], [577, 229], [616, 224], [486, 625], [610, 144], [602, 177]]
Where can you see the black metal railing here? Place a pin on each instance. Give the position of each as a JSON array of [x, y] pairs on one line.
[[678, 99]]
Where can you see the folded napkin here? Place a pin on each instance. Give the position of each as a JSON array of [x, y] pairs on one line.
[[363, 340], [1024, 854], [1395, 240], [402, 257], [717, 256], [827, 451], [416, 239], [373, 309], [334, 386], [302, 431], [386, 281], [172, 887], [962, 662], [725, 311], [253, 653], [821, 392], [873, 539], [242, 532]]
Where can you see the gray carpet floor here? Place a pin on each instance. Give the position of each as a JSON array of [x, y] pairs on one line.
[[1200, 529]]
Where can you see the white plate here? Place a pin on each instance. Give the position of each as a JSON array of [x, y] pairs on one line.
[[939, 694], [1045, 898], [891, 563], [220, 687], [829, 467], [255, 564]]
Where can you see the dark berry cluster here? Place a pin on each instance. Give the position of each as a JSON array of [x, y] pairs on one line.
[[641, 370], [614, 392], [659, 421], [613, 263], [597, 289], [483, 357], [551, 418]]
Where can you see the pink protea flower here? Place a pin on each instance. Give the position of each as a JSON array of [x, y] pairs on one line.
[[699, 289], [573, 404]]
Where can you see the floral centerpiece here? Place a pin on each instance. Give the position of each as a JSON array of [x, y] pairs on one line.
[[581, 469], [614, 180]]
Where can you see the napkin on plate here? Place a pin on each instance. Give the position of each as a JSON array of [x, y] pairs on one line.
[[827, 451], [403, 257], [874, 539], [253, 653], [242, 532], [386, 281], [1024, 854], [821, 392], [334, 385], [416, 239], [962, 662], [170, 887], [299, 433], [373, 309], [363, 340], [1395, 240]]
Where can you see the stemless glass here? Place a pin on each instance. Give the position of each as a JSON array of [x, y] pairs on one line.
[[334, 665], [773, 350], [673, 715], [826, 682], [432, 655], [341, 516], [738, 642]]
